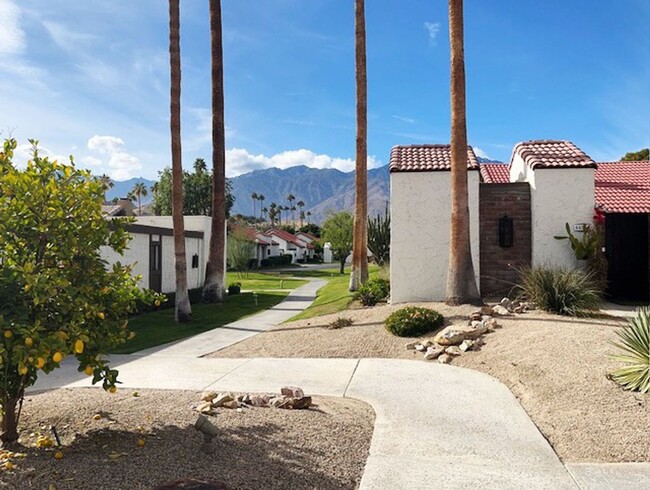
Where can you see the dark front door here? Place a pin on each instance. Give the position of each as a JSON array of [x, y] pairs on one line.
[[627, 256], [155, 263]]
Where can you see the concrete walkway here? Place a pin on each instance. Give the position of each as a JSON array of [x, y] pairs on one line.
[[222, 337], [621, 311], [437, 426]]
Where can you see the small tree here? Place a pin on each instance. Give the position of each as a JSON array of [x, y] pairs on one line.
[[241, 250], [56, 296], [337, 230], [379, 237]]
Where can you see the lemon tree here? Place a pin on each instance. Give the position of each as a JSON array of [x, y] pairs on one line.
[[57, 296]]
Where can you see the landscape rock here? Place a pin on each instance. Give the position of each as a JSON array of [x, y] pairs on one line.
[[466, 345], [475, 316], [500, 310], [205, 407], [454, 350], [221, 399], [486, 310], [231, 404], [420, 348], [277, 402], [412, 345], [208, 396], [292, 392], [259, 400], [433, 352], [301, 403], [444, 359]]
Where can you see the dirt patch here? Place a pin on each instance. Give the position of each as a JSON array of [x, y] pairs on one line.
[[323, 447], [556, 366]]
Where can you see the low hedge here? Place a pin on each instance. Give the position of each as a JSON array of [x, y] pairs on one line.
[[277, 261], [413, 321]]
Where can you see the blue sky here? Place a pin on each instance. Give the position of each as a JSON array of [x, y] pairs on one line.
[[91, 79]]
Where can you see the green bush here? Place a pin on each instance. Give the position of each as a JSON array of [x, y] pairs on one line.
[[635, 344], [276, 261], [373, 291], [413, 321], [571, 292], [234, 288]]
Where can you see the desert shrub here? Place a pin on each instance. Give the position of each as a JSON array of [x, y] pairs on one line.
[[234, 288], [635, 344], [413, 321], [340, 323], [373, 291], [571, 292]]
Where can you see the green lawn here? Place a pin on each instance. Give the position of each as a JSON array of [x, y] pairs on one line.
[[159, 327], [333, 296], [264, 282]]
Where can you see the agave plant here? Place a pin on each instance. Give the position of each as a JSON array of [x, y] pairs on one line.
[[635, 344]]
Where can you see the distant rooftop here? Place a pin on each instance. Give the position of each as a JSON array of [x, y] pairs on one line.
[[426, 158], [495, 173]]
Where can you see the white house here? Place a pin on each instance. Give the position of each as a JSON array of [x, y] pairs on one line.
[[420, 201], [548, 184], [151, 251], [290, 244], [265, 246]]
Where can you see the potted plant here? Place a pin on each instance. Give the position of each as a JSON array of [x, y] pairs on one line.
[[234, 288]]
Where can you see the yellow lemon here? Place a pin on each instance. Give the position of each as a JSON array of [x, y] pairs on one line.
[[79, 346], [8, 334], [89, 370], [22, 370], [29, 342], [58, 455], [112, 389], [40, 362], [105, 289], [100, 315], [9, 466], [57, 357], [140, 443], [157, 302], [97, 416]]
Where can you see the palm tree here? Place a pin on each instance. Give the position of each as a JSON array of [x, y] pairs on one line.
[[183, 311], [107, 183], [263, 213], [139, 190], [273, 212], [359, 273], [461, 282], [261, 199], [215, 272], [290, 199], [254, 197], [301, 215], [308, 217]]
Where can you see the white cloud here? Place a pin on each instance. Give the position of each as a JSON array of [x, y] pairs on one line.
[[105, 144], [200, 120], [433, 28], [12, 36], [64, 37], [121, 164], [239, 161], [480, 153], [24, 153], [409, 120]]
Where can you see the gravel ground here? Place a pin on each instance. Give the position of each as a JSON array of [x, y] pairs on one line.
[[556, 366], [324, 447]]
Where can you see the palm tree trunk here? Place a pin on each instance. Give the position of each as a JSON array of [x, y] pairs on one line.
[[215, 271], [359, 273], [461, 282], [183, 311]]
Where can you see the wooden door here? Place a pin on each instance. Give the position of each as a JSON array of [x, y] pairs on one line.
[[155, 263]]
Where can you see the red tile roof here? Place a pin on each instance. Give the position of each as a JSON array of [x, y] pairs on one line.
[[495, 173], [426, 158], [288, 237], [552, 154], [623, 187], [308, 235]]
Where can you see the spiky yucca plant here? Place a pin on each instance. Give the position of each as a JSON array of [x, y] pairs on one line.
[[635, 344]]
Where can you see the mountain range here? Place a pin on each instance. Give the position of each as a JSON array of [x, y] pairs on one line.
[[322, 190]]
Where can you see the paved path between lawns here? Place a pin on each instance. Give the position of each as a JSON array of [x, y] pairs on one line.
[[231, 333]]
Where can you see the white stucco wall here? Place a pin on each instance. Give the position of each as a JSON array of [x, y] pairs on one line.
[[420, 228], [558, 196], [195, 277], [136, 255]]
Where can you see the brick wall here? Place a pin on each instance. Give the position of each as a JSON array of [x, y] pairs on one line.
[[498, 275]]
